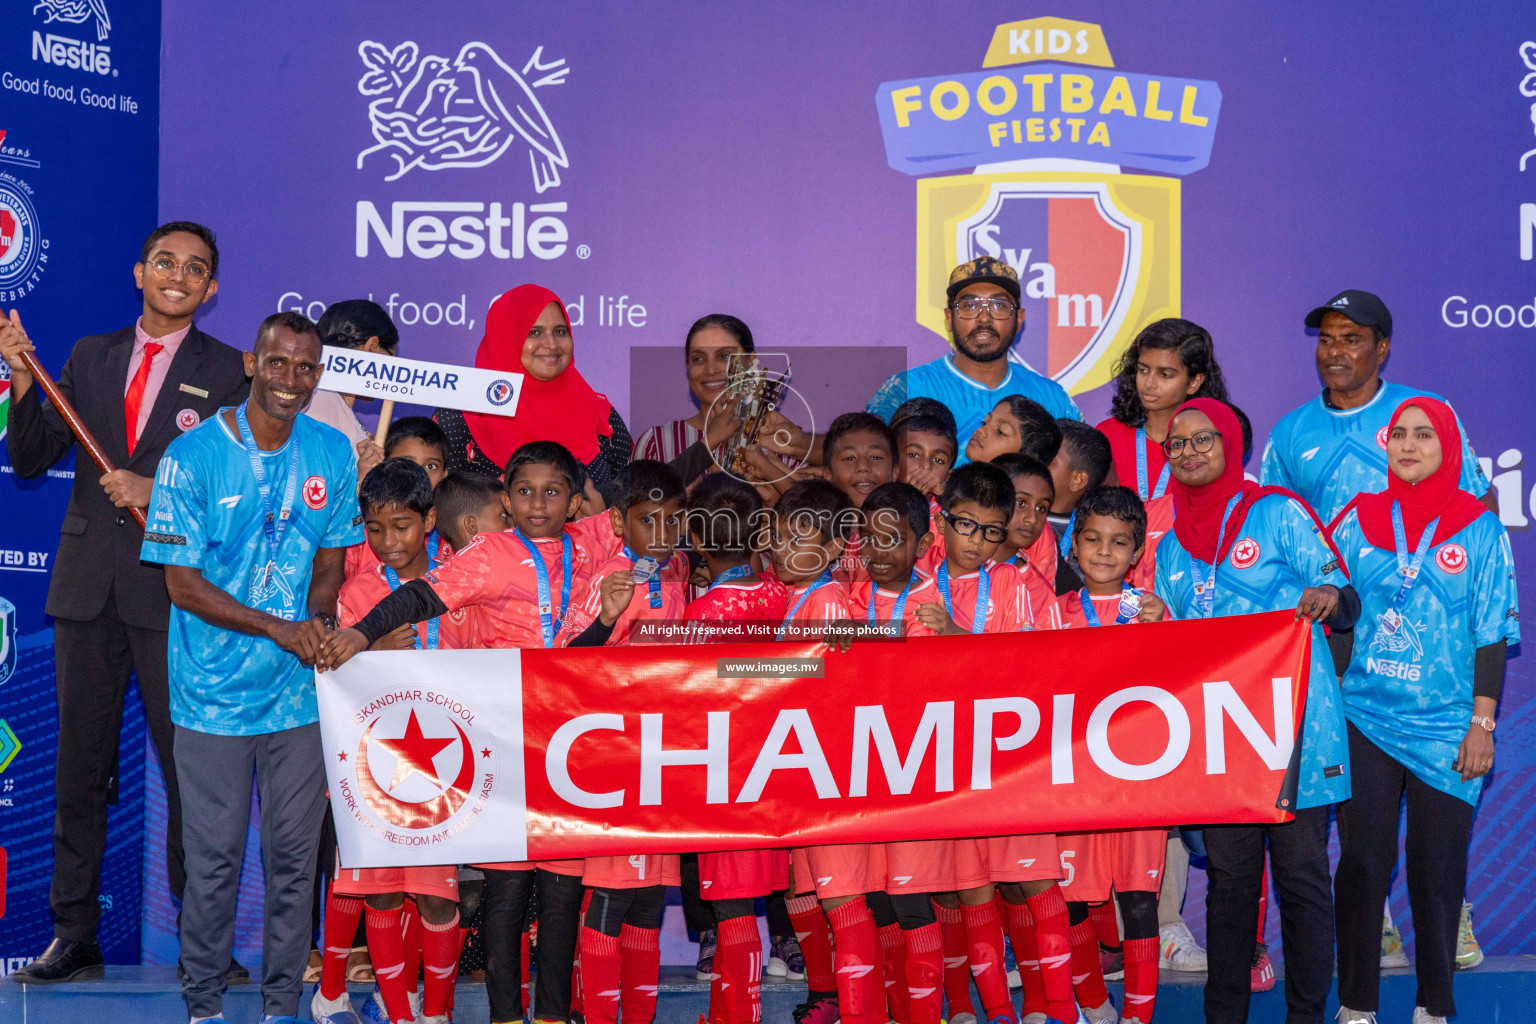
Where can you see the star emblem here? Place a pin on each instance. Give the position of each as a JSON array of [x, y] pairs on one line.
[[486, 752], [414, 752], [342, 755]]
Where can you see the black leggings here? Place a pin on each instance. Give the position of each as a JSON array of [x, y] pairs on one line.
[[724, 910], [611, 909], [1138, 912], [504, 918]]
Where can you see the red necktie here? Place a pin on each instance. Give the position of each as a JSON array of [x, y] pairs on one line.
[[135, 397]]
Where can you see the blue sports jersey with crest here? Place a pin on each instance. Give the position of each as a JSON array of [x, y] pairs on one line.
[[207, 513], [1409, 689], [967, 399], [1278, 552], [1330, 455]]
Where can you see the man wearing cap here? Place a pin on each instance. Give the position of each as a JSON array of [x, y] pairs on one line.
[[984, 319], [1335, 446]]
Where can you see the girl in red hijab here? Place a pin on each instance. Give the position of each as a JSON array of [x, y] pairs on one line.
[[1238, 549], [1438, 612], [527, 331]]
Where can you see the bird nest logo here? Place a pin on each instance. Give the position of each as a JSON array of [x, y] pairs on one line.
[[415, 767], [75, 12], [434, 113]]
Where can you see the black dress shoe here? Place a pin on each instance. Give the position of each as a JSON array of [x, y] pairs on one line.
[[63, 960], [234, 975]]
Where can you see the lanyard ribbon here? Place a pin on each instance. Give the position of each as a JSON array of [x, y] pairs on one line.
[[1406, 567], [393, 579], [276, 522], [1141, 468], [1065, 544], [1205, 593], [901, 602], [652, 579], [548, 624], [983, 593], [735, 572], [821, 581], [1130, 606]]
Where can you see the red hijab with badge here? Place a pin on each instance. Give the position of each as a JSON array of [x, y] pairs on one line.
[[1437, 496], [564, 409]]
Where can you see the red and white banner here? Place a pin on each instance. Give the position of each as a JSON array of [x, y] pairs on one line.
[[470, 756]]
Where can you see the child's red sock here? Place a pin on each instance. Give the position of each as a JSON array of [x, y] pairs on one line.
[[640, 950], [1055, 949], [410, 942], [440, 959], [1140, 978], [341, 917], [893, 950], [385, 950], [815, 938], [1087, 971], [739, 965], [925, 973], [860, 980], [600, 975], [1021, 932], [957, 971], [1105, 927], [984, 937]]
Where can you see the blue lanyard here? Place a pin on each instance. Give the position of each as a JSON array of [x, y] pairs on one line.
[[1065, 544], [1205, 594], [394, 584], [1408, 568], [1141, 468], [653, 580], [735, 572], [1125, 613], [983, 592], [276, 522], [821, 581], [901, 602], [548, 624]]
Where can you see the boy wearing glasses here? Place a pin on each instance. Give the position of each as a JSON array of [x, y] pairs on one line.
[[136, 390], [984, 317]]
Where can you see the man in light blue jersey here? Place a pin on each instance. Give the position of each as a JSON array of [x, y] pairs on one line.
[[984, 320], [1335, 446], [251, 514]]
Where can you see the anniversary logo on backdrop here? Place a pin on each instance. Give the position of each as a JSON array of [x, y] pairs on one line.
[[1097, 251]]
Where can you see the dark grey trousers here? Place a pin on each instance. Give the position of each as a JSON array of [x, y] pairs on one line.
[[215, 774]]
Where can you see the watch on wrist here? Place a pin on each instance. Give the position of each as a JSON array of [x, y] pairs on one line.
[[1483, 720], [328, 621]]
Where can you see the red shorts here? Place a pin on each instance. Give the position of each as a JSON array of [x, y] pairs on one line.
[[632, 872], [925, 865], [844, 870], [1128, 861], [559, 867], [1005, 859], [742, 874], [417, 879]]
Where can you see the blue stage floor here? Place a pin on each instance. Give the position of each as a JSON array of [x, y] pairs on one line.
[[1502, 989]]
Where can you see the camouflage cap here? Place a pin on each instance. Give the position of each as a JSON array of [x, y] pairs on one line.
[[984, 269]]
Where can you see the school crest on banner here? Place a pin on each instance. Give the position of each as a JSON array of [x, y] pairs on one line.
[[1097, 251]]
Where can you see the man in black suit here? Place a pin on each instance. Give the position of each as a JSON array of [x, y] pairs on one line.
[[136, 390]]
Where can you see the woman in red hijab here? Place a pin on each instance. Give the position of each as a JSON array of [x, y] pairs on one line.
[[527, 331], [1438, 612]]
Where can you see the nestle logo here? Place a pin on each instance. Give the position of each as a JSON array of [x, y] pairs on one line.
[[468, 233], [64, 52]]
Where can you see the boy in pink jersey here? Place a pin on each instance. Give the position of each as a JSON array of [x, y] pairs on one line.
[[925, 452], [724, 521], [469, 504], [980, 596], [396, 498], [522, 583], [1109, 535], [420, 440], [860, 454], [1033, 495]]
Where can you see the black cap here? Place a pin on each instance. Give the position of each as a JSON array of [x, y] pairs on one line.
[[1363, 308]]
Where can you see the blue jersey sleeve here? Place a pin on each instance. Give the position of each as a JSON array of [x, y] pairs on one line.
[[1472, 479], [1348, 539], [1272, 471], [1162, 585], [1495, 602], [178, 509], [885, 401], [345, 526], [1306, 548]]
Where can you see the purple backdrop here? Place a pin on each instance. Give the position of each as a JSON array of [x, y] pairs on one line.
[[721, 157]]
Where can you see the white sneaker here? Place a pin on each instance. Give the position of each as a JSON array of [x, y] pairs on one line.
[[1035, 1018], [1423, 1016], [1014, 981], [1348, 1016], [436, 1018], [332, 1011], [1106, 1014], [1178, 950], [963, 1018]]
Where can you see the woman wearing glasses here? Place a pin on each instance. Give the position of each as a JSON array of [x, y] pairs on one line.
[[1236, 549]]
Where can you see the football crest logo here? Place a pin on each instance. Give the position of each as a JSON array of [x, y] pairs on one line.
[[415, 780], [314, 492], [1451, 558], [1245, 553]]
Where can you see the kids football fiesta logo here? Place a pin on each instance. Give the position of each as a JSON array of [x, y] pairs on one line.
[[1097, 251], [417, 770]]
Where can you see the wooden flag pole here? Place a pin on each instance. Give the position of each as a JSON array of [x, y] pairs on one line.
[[386, 413], [76, 425]]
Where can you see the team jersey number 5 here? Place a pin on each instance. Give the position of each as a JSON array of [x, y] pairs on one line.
[[1068, 869]]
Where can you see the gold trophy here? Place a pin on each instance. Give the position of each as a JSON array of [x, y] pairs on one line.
[[755, 391]]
